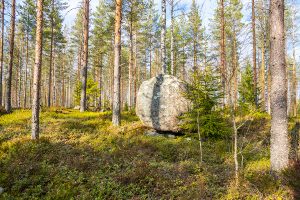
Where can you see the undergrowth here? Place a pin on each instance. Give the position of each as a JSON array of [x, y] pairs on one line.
[[82, 156]]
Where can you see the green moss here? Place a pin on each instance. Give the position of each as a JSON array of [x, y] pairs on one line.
[[82, 156]]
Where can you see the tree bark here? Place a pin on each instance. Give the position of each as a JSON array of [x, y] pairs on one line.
[[254, 53], [223, 50], [279, 123], [83, 105], [51, 56], [8, 107], [163, 37], [116, 117], [37, 72], [130, 64], [1, 51], [294, 70], [172, 38]]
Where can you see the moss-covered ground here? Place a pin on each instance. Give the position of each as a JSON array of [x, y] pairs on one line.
[[82, 156]]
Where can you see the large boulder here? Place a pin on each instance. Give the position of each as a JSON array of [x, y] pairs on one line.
[[160, 102]]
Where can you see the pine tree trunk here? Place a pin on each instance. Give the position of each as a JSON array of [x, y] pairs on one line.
[[172, 38], [223, 50], [294, 70], [8, 107], [279, 123], [130, 65], [83, 104], [1, 51], [163, 37], [100, 82], [37, 72], [116, 118], [26, 69], [254, 53], [262, 77], [51, 56]]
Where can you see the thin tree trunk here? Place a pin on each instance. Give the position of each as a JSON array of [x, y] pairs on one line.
[[294, 70], [223, 53], [163, 37], [100, 82], [172, 37], [254, 53], [116, 117], [37, 72], [130, 64], [8, 107], [262, 76], [51, 56], [83, 104], [26, 69], [1, 51], [279, 123]]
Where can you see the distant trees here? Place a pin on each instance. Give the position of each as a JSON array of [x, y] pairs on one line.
[[8, 106], [163, 37]]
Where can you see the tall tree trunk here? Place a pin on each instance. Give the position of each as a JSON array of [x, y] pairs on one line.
[[136, 71], [1, 51], [26, 69], [116, 117], [51, 55], [172, 38], [262, 76], [294, 70], [163, 37], [11, 57], [37, 72], [83, 104], [130, 63], [100, 82], [254, 53], [279, 123], [223, 50]]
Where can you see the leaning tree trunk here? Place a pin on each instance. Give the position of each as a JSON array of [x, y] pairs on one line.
[[85, 56], [279, 123], [11, 57], [37, 72], [116, 118], [1, 51], [163, 37]]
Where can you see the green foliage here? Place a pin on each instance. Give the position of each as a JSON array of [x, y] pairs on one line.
[[92, 91], [204, 91], [246, 89]]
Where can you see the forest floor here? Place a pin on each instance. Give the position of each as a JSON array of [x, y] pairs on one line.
[[82, 156]]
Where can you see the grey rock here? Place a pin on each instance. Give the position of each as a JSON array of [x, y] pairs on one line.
[[1, 190], [77, 108], [151, 133], [171, 136], [160, 102]]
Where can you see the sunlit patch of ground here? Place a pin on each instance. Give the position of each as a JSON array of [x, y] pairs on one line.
[[82, 156]]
